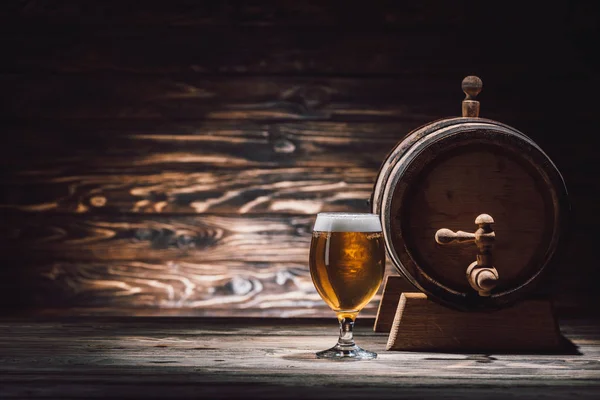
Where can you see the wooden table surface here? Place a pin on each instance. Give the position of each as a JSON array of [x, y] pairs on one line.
[[268, 358]]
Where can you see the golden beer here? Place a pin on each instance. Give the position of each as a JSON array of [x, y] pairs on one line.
[[347, 262], [347, 268]]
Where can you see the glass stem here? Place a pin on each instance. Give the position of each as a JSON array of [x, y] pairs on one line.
[[346, 335]]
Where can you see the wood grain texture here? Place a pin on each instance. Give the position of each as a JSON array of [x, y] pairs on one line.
[[529, 326], [36, 148], [218, 115], [195, 167], [182, 238], [268, 358], [196, 265], [132, 145], [171, 286], [451, 195], [182, 282], [248, 191], [221, 288], [393, 288], [237, 98], [39, 170], [113, 237], [214, 98]]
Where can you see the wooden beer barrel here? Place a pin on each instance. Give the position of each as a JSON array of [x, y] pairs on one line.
[[442, 177]]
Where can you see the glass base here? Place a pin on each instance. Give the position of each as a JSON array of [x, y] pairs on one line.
[[346, 353]]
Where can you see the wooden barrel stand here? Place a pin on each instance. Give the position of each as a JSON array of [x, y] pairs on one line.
[[473, 285], [415, 323]]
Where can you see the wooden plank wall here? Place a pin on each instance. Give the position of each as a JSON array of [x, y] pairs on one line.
[[168, 157]]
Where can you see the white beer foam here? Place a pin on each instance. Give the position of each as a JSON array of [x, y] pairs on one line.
[[347, 222]]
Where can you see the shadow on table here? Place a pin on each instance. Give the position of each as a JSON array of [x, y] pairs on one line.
[[566, 347]]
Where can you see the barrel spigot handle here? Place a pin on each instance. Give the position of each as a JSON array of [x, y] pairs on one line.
[[481, 274], [472, 86]]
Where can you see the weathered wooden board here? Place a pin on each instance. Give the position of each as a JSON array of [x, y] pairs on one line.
[[249, 191], [129, 265], [109, 160], [278, 289], [123, 145], [219, 285], [167, 238], [106, 264], [203, 238], [269, 358], [72, 96], [301, 143], [259, 113], [93, 146], [190, 167], [161, 98]]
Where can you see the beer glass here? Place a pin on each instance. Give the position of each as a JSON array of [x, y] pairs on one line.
[[347, 262]]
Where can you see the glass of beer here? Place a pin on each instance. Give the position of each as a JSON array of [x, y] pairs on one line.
[[347, 263]]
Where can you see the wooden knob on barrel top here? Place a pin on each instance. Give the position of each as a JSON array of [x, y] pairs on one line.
[[481, 274], [471, 86]]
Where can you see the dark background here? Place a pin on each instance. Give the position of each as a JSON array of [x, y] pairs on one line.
[[168, 157]]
